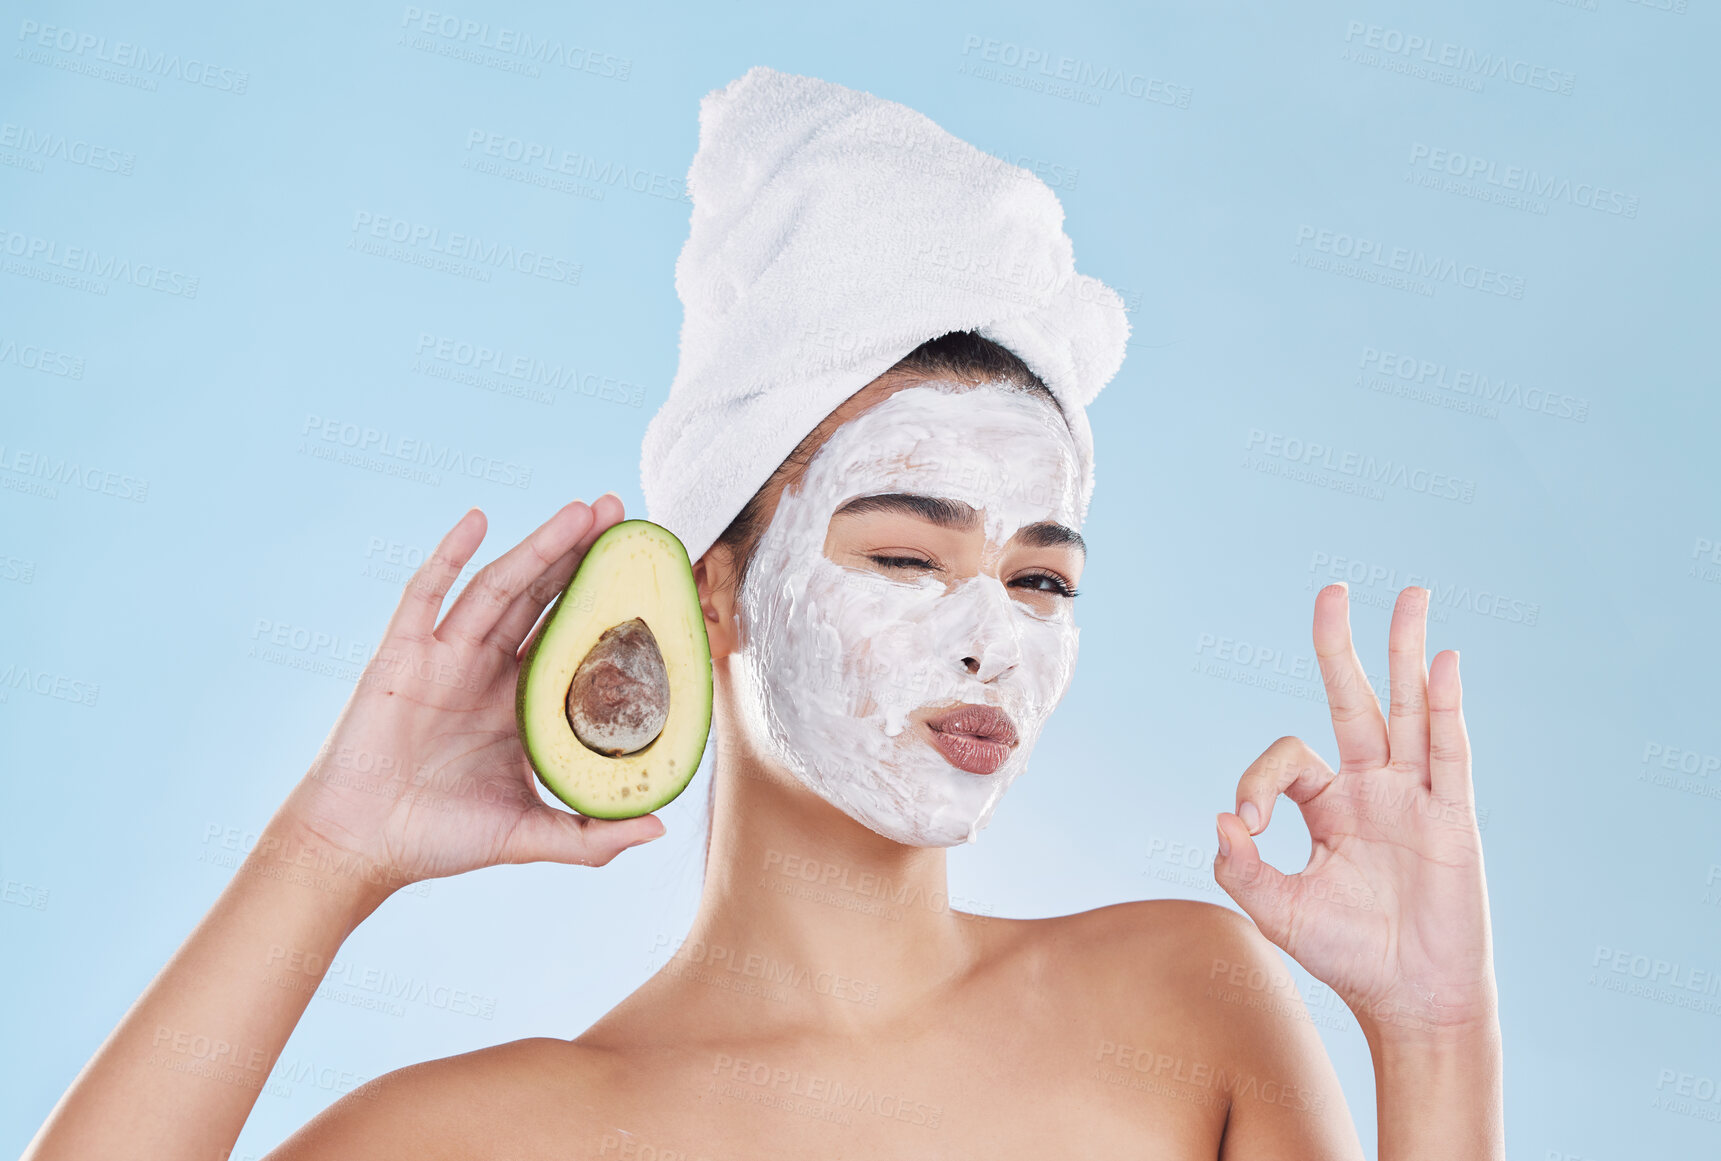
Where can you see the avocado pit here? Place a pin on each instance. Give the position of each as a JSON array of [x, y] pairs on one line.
[[618, 701]]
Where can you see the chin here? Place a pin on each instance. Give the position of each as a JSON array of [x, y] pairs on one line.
[[924, 801]]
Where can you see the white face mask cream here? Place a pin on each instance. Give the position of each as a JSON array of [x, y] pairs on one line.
[[836, 659]]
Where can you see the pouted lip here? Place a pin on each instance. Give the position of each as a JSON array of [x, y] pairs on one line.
[[985, 722]]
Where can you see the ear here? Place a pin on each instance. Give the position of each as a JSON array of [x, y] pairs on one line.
[[714, 574]]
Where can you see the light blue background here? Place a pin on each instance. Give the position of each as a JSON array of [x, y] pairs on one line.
[[114, 816]]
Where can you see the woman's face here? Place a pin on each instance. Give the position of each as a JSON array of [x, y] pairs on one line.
[[906, 622]]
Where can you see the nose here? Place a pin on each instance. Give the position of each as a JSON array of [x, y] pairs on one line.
[[994, 640]]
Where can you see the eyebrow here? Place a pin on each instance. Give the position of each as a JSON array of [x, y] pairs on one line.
[[954, 514]]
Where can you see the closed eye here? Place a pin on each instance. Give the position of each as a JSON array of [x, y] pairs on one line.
[[1041, 582], [901, 562]]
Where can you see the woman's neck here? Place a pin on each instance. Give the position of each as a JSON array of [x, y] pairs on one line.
[[798, 892]]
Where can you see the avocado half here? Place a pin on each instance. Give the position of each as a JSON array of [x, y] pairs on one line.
[[636, 571]]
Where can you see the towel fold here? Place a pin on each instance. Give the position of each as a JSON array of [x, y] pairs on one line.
[[832, 233]]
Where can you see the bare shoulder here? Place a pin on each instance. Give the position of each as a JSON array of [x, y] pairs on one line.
[[489, 1102], [1140, 966], [1170, 941], [1189, 998]]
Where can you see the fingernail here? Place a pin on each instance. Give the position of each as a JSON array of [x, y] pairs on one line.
[[1224, 843], [1251, 817]]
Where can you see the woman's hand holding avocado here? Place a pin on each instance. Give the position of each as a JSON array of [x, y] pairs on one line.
[[423, 774]]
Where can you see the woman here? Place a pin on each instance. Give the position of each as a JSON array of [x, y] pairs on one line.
[[938, 1034], [890, 623]]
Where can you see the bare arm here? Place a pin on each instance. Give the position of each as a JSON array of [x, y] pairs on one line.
[[1286, 1101], [180, 1074], [444, 788]]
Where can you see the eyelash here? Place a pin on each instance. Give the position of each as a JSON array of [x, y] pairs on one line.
[[1062, 588]]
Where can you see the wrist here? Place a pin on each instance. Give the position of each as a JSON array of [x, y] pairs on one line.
[[1408, 1028], [1435, 1019], [294, 855], [1432, 1047], [1439, 1092]]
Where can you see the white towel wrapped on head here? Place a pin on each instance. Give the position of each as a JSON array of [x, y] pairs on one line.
[[832, 233]]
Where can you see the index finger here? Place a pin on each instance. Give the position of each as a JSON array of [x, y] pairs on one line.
[[421, 599], [495, 586], [1357, 721]]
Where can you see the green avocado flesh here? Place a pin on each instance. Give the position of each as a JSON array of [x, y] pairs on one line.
[[627, 638]]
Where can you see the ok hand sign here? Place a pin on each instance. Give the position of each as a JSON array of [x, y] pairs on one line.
[[1391, 911]]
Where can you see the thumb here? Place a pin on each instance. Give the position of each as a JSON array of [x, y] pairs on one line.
[[1261, 890], [547, 835]]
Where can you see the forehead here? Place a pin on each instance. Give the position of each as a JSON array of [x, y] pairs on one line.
[[994, 447]]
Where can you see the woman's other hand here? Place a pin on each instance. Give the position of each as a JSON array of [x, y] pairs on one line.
[[1391, 911], [423, 774]]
